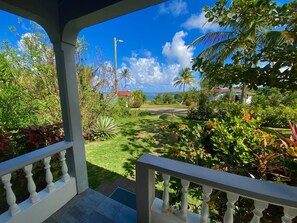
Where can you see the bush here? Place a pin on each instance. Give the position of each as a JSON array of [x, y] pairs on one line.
[[104, 128], [137, 99], [16, 142], [277, 116], [164, 98]]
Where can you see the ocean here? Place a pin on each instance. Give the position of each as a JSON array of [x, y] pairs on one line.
[[151, 95]]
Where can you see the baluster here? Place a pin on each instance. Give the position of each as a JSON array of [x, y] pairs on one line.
[[205, 209], [260, 206], [289, 214], [30, 184], [165, 206], [184, 201], [48, 174], [10, 196], [64, 167], [232, 198]]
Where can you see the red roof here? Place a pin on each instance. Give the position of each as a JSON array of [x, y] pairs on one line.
[[227, 90], [124, 93]]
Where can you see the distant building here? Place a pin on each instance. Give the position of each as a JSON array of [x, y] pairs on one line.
[[219, 92], [124, 93]]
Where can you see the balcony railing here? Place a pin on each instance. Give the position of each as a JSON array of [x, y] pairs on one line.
[[39, 205], [153, 210]]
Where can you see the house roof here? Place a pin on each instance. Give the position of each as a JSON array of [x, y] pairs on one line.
[[124, 93], [219, 90]]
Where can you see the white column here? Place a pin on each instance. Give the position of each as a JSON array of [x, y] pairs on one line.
[[48, 175], [184, 201], [64, 168], [68, 87], [260, 206], [31, 184], [165, 206], [205, 209], [289, 214], [232, 198], [10, 196]]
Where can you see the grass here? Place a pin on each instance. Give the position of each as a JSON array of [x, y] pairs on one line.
[[106, 160]]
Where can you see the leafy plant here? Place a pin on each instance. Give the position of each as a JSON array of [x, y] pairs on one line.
[[104, 128]]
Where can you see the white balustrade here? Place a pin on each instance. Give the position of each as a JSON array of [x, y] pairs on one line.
[[232, 198], [205, 209], [10, 196], [165, 206], [48, 174], [263, 193], [260, 206], [289, 214], [184, 200], [64, 168], [31, 184]]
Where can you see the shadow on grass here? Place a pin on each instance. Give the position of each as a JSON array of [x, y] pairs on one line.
[[145, 135], [97, 175]]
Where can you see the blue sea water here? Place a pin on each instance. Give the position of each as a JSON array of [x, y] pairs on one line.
[[151, 95]]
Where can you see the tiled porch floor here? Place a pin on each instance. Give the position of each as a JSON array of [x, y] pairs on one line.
[[93, 207]]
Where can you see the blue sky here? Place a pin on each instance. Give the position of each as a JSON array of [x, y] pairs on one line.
[[155, 41]]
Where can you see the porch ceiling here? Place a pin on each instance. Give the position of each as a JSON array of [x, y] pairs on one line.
[[56, 16]]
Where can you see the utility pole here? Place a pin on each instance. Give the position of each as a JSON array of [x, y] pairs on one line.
[[115, 63]]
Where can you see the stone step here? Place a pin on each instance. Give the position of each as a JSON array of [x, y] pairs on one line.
[[93, 207], [125, 197]]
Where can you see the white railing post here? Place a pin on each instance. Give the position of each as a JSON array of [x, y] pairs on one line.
[[165, 196], [48, 174], [260, 206], [184, 200], [289, 214], [145, 192], [232, 198], [205, 209], [31, 184], [64, 167], [10, 196]]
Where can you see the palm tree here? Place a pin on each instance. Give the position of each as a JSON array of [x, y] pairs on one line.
[[185, 78], [246, 33], [126, 76]]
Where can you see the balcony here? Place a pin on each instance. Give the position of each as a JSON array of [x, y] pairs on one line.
[[60, 201]]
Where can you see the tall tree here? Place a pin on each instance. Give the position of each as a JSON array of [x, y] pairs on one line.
[[185, 78], [247, 22], [126, 76]]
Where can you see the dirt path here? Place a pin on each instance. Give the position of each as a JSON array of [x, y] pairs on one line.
[[159, 111]]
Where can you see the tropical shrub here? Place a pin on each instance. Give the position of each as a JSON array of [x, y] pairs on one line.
[[164, 98], [16, 142], [104, 128], [137, 99], [236, 145]]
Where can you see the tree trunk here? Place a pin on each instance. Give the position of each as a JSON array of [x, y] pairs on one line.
[[230, 93], [243, 94]]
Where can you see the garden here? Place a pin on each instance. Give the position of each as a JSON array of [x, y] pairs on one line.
[[257, 140]]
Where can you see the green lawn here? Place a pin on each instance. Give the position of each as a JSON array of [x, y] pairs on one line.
[[147, 105], [106, 160]]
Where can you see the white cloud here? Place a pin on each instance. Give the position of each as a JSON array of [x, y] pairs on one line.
[[199, 21], [175, 8], [150, 75], [178, 51]]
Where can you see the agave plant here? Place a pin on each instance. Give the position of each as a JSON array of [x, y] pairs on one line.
[[290, 143], [103, 128]]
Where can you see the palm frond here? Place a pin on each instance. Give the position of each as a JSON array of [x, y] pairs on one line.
[[212, 38], [276, 37]]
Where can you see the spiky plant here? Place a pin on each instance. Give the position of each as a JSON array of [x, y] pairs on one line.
[[103, 128]]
